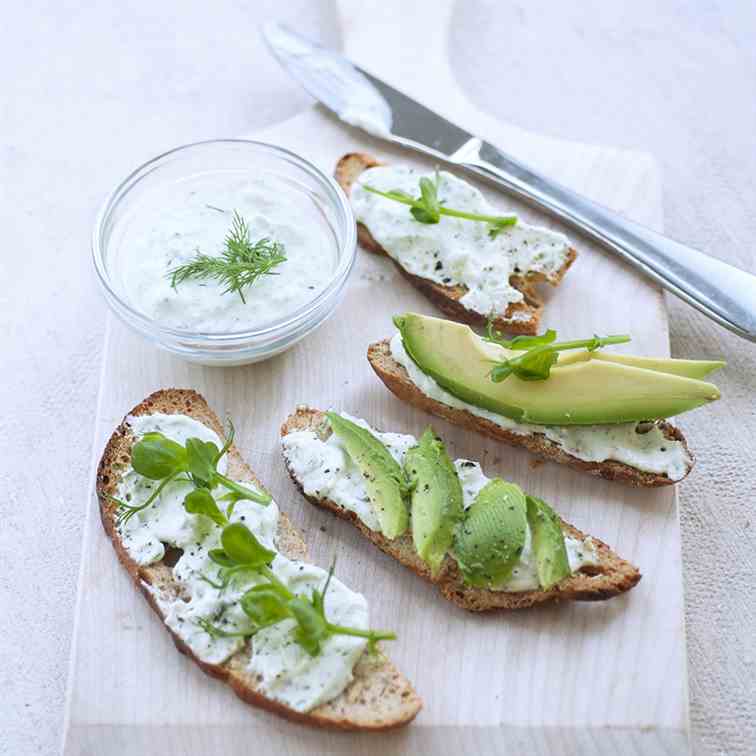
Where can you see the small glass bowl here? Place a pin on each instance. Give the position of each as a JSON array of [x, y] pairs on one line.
[[239, 348]]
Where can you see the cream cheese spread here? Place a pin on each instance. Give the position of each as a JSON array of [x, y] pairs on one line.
[[324, 469], [284, 671], [639, 445], [175, 221], [456, 251]]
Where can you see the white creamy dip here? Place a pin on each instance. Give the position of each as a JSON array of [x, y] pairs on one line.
[[286, 672], [175, 221], [649, 451], [324, 469], [456, 251]]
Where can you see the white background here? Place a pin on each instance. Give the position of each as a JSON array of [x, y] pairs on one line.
[[89, 91]]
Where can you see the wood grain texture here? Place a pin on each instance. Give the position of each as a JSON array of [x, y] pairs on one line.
[[554, 679]]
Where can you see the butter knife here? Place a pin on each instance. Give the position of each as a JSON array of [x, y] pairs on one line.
[[721, 291]]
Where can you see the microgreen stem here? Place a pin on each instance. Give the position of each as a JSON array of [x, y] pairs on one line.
[[371, 635], [265, 570], [126, 511], [500, 220], [246, 493]]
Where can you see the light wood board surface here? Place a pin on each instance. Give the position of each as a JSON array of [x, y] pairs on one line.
[[575, 678]]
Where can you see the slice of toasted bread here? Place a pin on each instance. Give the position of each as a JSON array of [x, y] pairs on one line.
[[398, 382], [610, 577], [378, 698], [519, 317]]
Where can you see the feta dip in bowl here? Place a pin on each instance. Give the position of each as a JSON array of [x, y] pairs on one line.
[[225, 252]]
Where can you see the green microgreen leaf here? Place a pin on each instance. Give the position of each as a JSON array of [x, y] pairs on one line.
[[156, 457], [427, 208], [518, 343], [243, 548], [312, 627], [220, 558], [201, 501], [265, 605], [202, 459]]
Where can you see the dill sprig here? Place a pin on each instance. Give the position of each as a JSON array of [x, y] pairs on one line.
[[238, 266]]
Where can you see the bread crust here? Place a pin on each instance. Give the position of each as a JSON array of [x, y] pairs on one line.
[[611, 577], [378, 698], [519, 317], [396, 379]]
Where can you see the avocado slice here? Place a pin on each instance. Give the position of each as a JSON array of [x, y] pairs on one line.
[[552, 564], [490, 540], [437, 501], [687, 368], [588, 390], [383, 476]]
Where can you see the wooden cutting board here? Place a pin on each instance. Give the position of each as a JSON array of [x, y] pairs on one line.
[[579, 678]]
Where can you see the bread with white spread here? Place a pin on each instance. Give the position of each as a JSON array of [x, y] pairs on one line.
[[608, 575], [397, 380], [377, 698], [519, 317]]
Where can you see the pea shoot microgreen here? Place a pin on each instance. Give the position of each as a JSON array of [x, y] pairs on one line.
[[427, 208], [271, 602], [539, 353], [238, 266], [158, 458]]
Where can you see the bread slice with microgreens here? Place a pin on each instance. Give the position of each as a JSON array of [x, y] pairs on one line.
[[397, 380], [378, 697], [520, 317], [609, 575]]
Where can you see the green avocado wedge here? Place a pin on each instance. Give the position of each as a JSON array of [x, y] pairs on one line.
[[584, 388], [697, 369], [490, 540], [436, 496], [549, 550], [383, 476]]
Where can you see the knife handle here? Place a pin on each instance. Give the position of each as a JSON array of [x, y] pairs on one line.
[[721, 291]]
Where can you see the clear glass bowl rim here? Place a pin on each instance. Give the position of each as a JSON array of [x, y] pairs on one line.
[[346, 261]]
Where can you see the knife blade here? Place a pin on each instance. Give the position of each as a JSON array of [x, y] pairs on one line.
[[721, 291], [359, 98]]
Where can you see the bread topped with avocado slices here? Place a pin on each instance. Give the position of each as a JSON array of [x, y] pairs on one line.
[[227, 574], [595, 411], [483, 542], [469, 263]]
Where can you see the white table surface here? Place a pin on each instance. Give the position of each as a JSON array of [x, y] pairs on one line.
[[86, 93]]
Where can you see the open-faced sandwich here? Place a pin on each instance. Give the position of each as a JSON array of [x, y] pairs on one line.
[[227, 574], [442, 234], [571, 402], [483, 541]]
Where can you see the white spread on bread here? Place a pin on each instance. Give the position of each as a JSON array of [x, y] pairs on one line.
[[455, 251], [325, 470], [284, 670], [642, 446]]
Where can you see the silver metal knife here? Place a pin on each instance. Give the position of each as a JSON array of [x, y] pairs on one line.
[[721, 291]]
